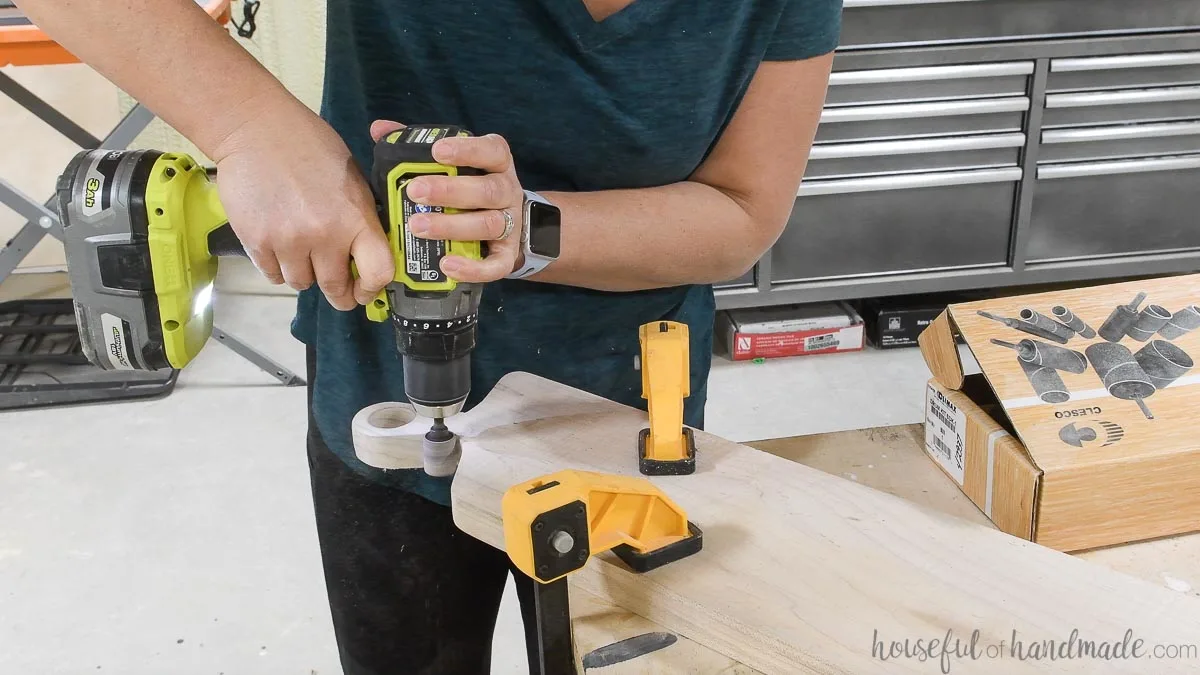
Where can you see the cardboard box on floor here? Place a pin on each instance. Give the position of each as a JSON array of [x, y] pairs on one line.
[[1071, 438]]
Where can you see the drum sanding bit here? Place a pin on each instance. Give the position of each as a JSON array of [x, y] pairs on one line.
[[1122, 318]]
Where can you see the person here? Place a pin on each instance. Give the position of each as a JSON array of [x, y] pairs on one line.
[[671, 137]]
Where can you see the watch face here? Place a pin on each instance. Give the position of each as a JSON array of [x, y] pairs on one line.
[[545, 226]]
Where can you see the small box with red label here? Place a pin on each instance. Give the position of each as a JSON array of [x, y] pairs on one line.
[[791, 330]]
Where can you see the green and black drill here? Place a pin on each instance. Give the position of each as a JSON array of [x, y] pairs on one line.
[[143, 231]]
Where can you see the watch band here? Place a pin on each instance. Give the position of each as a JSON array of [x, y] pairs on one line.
[[533, 263]]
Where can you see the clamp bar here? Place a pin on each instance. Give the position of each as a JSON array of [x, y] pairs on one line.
[[556, 638]]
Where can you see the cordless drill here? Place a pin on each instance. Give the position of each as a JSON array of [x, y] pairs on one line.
[[143, 230]]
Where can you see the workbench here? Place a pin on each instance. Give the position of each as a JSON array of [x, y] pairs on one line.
[[892, 460]]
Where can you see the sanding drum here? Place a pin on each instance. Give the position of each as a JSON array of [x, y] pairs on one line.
[[1051, 356], [1163, 362], [1047, 324], [1067, 318], [1046, 382], [1149, 321], [1045, 354], [393, 436], [1041, 362], [1122, 318], [1122, 375], [1181, 323]]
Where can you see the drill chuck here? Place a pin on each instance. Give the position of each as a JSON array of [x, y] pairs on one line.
[[435, 334], [437, 369]]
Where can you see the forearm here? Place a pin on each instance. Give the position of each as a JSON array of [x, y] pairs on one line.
[[683, 233], [714, 226], [171, 57]]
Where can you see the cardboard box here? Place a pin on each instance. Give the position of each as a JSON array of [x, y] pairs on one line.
[[791, 330], [1073, 439]]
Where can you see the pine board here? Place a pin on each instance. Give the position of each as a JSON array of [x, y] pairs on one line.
[[800, 568], [599, 624]]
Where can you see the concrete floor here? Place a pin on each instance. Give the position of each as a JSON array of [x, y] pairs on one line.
[[176, 536]]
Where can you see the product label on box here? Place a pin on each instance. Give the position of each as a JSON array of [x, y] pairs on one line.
[[814, 343], [769, 345], [945, 433]]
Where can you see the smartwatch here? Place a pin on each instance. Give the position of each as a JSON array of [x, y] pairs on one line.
[[541, 237]]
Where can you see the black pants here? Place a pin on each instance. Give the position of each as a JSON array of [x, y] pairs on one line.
[[410, 594]]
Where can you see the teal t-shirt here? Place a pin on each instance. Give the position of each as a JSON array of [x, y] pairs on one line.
[[636, 100]]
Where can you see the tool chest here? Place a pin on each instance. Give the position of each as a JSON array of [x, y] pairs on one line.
[[970, 144]]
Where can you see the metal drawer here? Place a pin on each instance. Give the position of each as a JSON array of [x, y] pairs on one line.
[[1131, 105], [898, 120], [1111, 208], [919, 154], [929, 83], [1136, 70], [746, 279], [891, 224], [876, 22], [1127, 140]]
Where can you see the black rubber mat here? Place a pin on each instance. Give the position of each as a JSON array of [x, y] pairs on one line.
[[42, 363]]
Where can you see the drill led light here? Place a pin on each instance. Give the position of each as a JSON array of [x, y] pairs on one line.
[[203, 300]]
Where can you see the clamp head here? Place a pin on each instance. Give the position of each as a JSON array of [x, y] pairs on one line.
[[553, 524], [666, 447]]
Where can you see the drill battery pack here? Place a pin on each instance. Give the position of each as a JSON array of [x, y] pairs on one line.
[[401, 157]]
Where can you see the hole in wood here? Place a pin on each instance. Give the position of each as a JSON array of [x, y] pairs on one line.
[[391, 418]]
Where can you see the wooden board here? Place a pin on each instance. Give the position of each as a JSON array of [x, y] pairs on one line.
[[803, 571], [890, 459], [599, 624], [893, 460]]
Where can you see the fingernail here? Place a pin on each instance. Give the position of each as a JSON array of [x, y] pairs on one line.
[[418, 225], [418, 190], [451, 265]]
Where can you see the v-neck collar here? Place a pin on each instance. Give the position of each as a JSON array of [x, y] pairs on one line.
[[590, 33]]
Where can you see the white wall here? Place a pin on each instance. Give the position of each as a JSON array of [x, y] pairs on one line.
[[290, 42]]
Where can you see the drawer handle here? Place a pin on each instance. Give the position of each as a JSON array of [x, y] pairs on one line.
[[1129, 61], [915, 146], [908, 181], [850, 4], [1094, 98], [930, 73], [1121, 133], [1051, 172], [891, 111]]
